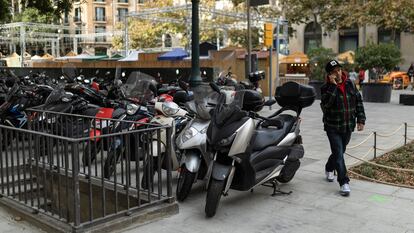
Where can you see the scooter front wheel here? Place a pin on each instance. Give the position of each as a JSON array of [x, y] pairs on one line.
[[111, 161], [214, 192], [184, 184]]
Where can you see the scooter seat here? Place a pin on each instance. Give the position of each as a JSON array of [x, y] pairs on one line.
[[265, 137]]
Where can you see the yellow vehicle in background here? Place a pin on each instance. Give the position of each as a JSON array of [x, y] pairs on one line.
[[399, 79]]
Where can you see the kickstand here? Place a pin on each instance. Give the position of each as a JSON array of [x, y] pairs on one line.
[[276, 190]]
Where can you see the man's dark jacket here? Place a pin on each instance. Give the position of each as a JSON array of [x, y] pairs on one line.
[[341, 111]]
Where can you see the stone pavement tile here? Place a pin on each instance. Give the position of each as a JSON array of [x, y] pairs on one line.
[[369, 213], [405, 193], [365, 186]]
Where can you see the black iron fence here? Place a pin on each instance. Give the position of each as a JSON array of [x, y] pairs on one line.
[[83, 171]]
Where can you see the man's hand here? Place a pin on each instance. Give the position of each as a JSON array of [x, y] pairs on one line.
[[360, 127], [332, 79]]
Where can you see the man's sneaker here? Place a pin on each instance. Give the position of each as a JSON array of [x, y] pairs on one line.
[[330, 176], [345, 190]]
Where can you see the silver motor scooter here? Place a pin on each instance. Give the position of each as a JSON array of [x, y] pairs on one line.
[[191, 142], [252, 150]]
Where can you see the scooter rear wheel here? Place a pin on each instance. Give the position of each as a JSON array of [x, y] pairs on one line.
[[214, 193], [184, 184], [89, 154], [288, 171]]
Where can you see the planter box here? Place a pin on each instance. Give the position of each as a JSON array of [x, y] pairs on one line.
[[407, 99], [376, 92], [316, 84]]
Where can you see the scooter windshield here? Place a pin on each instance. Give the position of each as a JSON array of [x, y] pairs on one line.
[[69, 71], [205, 99], [139, 87], [55, 96]]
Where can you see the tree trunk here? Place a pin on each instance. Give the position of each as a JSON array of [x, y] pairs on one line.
[[393, 35]]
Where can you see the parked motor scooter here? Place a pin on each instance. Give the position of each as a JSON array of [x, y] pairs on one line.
[[192, 141], [252, 150]]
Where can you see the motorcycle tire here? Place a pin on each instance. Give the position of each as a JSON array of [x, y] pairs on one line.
[[184, 183], [288, 171], [148, 173], [214, 193], [90, 151], [41, 147], [111, 162]]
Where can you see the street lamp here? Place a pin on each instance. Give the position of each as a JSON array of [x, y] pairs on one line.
[[195, 78]]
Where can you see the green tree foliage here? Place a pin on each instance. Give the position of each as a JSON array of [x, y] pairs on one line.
[[318, 58], [303, 11], [43, 11], [394, 15], [148, 33], [4, 10], [34, 15], [382, 56]]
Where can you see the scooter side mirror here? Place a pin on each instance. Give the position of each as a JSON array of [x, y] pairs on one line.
[[118, 83], [215, 87], [269, 102], [183, 85]]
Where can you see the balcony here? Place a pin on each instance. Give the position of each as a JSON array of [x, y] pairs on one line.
[[100, 39], [100, 18], [77, 19]]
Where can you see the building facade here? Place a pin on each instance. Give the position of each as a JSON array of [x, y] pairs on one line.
[[98, 19], [347, 39]]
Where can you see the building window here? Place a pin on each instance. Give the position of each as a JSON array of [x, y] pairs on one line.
[[168, 41], [77, 17], [100, 29], [141, 1], [123, 1], [78, 32], [348, 39], [99, 14], [122, 12], [313, 36], [385, 36], [99, 0]]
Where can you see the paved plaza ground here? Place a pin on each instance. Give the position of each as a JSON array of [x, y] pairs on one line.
[[315, 205]]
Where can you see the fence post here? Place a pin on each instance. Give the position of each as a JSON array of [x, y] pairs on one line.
[[405, 133], [168, 150], [375, 145], [75, 177]]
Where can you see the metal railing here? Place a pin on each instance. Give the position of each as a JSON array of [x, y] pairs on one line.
[[84, 171]]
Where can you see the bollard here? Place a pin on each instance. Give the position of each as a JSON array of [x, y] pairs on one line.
[[375, 145], [405, 133]]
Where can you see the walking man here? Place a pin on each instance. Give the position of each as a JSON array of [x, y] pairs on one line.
[[342, 109]]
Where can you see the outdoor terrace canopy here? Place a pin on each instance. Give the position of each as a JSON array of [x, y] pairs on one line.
[[175, 54]]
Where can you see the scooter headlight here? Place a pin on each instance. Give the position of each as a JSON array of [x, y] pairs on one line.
[[132, 109], [170, 108], [188, 134]]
